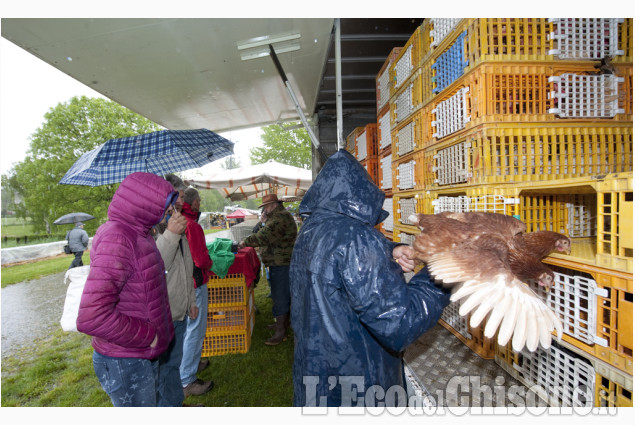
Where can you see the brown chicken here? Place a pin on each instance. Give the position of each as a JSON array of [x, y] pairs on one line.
[[488, 259]]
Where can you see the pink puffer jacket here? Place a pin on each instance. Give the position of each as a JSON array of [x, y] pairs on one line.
[[125, 300]]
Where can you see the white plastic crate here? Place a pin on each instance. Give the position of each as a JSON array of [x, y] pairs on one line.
[[403, 67], [585, 38], [440, 28], [452, 164], [384, 130], [386, 172], [384, 88], [560, 378], [451, 316], [389, 221], [451, 204], [404, 104], [581, 222], [585, 96], [485, 203], [451, 114], [361, 146], [406, 238], [406, 207], [406, 139], [406, 175]]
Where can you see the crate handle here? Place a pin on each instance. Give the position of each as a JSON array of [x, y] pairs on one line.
[[218, 315]]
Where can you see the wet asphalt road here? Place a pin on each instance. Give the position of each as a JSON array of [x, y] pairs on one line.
[[31, 310]]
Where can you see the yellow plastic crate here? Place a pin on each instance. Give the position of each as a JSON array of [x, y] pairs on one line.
[[596, 212], [406, 63], [384, 138], [406, 204], [384, 177], [507, 153], [508, 39], [612, 388], [407, 100], [383, 81], [408, 173], [228, 342], [612, 338], [473, 338], [228, 292], [523, 93], [614, 391], [222, 319], [407, 136], [615, 222], [625, 42]]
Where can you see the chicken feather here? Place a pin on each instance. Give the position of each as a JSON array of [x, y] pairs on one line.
[[488, 259]]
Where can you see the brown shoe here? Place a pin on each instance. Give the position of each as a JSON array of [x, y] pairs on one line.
[[202, 365], [198, 387], [282, 324]]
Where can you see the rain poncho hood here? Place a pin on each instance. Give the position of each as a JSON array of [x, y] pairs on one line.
[[352, 311]]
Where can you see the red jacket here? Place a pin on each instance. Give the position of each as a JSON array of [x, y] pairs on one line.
[[196, 239]]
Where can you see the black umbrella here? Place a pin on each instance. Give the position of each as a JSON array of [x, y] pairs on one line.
[[73, 218]]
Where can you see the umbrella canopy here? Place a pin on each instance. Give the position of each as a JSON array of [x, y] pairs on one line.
[[160, 152], [258, 180], [73, 218], [239, 213]]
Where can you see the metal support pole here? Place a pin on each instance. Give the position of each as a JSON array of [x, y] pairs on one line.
[[287, 84], [338, 84]]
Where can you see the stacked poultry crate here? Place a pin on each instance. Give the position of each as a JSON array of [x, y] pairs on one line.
[[230, 316], [531, 118]]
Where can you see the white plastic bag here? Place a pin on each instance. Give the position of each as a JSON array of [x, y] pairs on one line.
[[77, 277]]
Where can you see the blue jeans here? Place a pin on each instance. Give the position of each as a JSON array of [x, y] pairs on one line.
[[193, 340], [280, 290], [129, 382], [170, 390]]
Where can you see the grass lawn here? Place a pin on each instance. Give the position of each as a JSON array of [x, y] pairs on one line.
[[58, 371], [39, 268]]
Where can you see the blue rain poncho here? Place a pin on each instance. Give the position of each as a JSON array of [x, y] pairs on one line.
[[352, 312]]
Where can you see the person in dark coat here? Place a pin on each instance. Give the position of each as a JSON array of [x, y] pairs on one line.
[[352, 312], [77, 242]]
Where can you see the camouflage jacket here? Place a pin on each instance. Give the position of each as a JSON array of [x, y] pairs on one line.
[[276, 239]]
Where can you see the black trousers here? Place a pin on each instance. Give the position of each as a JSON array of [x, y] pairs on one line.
[[77, 261]]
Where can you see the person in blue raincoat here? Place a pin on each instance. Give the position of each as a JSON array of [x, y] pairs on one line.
[[352, 312]]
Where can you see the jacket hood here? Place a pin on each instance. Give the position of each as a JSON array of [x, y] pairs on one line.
[[141, 200], [345, 187]]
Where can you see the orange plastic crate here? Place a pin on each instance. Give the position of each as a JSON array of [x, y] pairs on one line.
[[366, 142], [372, 167], [409, 173]]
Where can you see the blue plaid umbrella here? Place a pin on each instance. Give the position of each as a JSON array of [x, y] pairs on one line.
[[161, 152]]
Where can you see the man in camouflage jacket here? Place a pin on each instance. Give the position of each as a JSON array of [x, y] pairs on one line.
[[276, 240]]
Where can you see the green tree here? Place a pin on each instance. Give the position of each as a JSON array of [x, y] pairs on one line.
[[230, 162], [284, 145], [70, 129]]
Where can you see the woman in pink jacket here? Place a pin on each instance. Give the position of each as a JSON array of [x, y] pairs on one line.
[[125, 304]]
